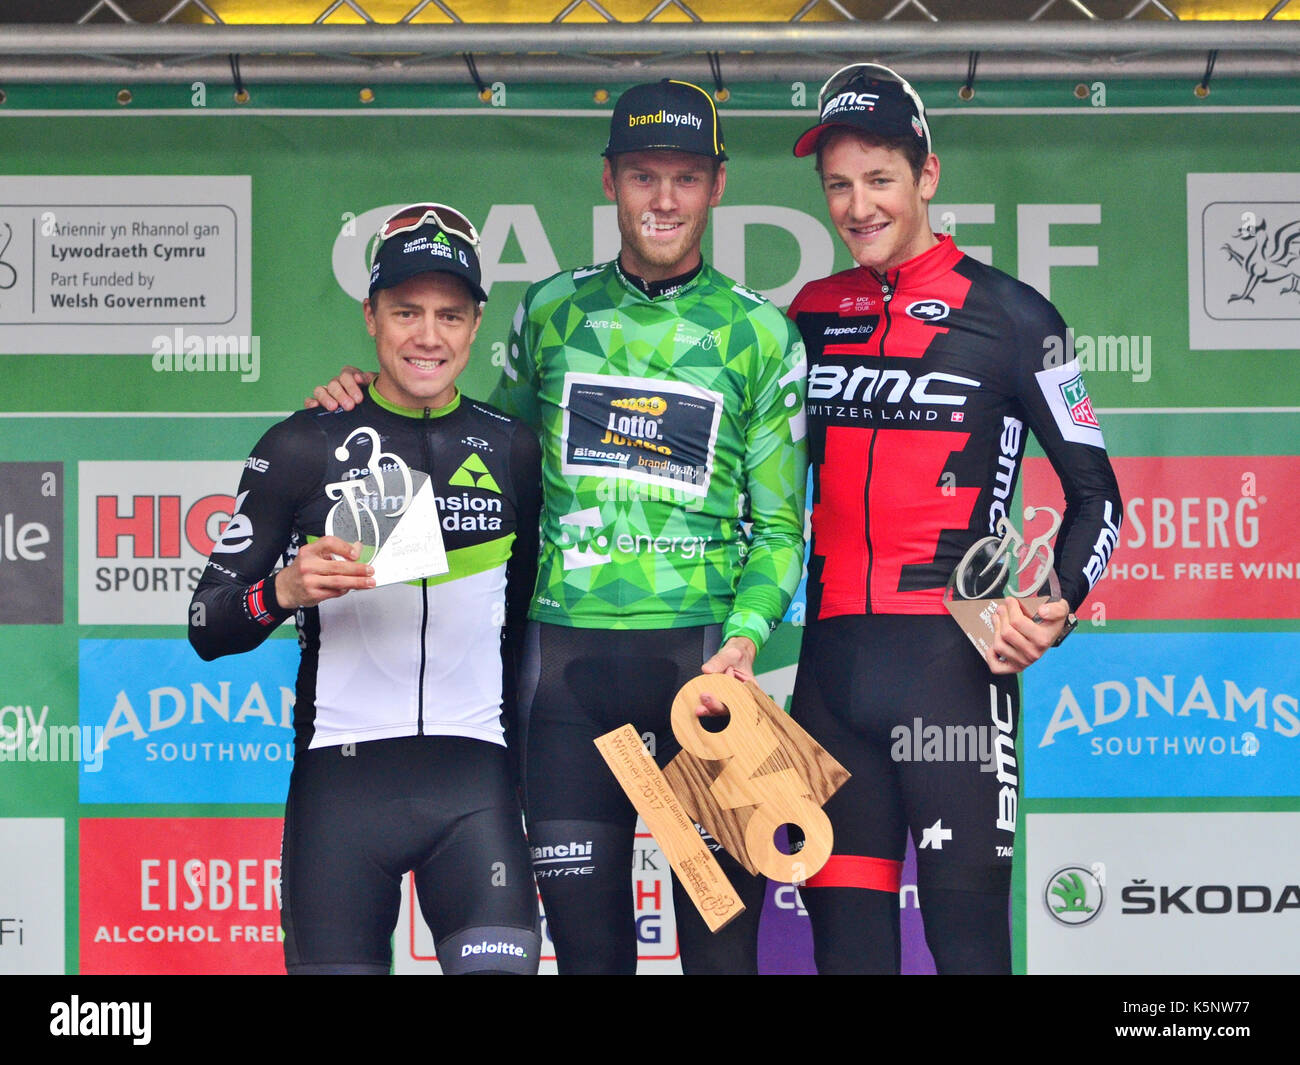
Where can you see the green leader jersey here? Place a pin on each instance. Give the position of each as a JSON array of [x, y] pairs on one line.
[[673, 451]]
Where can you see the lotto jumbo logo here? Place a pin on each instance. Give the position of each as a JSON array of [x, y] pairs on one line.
[[145, 530], [31, 543]]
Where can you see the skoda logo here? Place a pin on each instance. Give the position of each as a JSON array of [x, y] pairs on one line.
[[1073, 895], [928, 310]]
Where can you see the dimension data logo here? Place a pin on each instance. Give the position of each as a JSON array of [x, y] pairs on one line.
[[473, 473], [1073, 895], [31, 543]]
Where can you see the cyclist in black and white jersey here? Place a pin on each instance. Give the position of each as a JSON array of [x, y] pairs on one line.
[[400, 762]]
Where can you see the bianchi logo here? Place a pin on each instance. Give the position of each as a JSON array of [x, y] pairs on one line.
[[474, 474], [1073, 895], [928, 310], [555, 860]]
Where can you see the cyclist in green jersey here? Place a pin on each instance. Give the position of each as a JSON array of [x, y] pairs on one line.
[[669, 402]]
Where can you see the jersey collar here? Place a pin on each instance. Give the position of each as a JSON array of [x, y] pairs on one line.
[[413, 412], [930, 265], [636, 289]]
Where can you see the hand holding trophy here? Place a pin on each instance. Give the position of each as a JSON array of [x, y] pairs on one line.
[[1006, 566]]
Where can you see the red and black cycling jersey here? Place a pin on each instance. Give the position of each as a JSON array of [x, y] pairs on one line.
[[922, 386]]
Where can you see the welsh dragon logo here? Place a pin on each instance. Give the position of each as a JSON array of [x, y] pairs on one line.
[[1266, 256]]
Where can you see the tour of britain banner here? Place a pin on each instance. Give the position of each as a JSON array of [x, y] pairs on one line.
[[177, 271]]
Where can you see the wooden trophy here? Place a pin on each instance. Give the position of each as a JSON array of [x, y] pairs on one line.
[[741, 783]]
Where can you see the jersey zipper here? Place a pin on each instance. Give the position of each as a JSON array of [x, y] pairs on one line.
[[426, 450], [887, 294]]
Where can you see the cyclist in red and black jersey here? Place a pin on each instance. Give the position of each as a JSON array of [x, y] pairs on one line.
[[926, 371]]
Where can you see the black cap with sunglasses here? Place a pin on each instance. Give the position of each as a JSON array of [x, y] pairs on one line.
[[426, 238], [870, 98]]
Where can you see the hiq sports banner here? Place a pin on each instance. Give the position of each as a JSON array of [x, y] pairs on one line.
[[177, 273]]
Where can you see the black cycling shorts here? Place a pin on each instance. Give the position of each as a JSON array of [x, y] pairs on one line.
[[929, 734], [575, 685], [360, 816]]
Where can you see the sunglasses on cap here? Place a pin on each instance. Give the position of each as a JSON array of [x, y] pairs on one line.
[[416, 215], [845, 76]]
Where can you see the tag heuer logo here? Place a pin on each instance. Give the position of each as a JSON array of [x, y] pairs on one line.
[[1073, 895], [1080, 406], [928, 310]]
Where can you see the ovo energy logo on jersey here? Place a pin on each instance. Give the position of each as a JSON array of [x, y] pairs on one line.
[[579, 546], [1074, 894], [1078, 403]]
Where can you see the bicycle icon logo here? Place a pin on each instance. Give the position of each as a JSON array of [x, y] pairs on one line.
[[1000, 553]]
